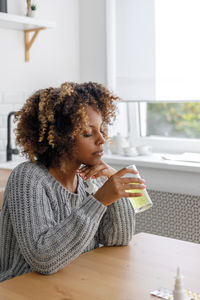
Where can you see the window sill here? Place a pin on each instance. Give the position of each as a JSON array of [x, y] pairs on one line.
[[154, 161]]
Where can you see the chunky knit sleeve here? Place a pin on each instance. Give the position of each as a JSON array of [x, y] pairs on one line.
[[46, 241], [118, 223]]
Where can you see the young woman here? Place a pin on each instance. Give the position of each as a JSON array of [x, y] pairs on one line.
[[48, 217]]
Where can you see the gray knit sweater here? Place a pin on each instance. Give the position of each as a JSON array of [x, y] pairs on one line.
[[43, 226]]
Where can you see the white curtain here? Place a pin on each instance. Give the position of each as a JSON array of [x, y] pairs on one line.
[[154, 46]]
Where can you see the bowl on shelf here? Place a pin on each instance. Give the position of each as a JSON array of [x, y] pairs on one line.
[[130, 151]]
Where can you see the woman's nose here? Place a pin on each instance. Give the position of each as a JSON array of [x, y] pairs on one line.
[[100, 139]]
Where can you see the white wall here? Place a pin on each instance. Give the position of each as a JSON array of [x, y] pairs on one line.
[[93, 41], [54, 56], [73, 51]]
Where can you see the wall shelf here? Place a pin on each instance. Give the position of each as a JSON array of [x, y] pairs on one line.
[[26, 24]]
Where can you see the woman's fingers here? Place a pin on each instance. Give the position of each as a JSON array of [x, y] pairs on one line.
[[83, 169], [124, 171], [132, 195], [95, 173], [125, 180], [133, 186], [88, 172], [100, 169], [99, 174]]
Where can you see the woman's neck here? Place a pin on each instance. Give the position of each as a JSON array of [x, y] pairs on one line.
[[66, 175]]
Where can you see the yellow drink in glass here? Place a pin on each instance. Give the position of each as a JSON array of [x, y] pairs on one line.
[[143, 202]]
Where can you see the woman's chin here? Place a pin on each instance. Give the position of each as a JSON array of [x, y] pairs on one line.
[[92, 161]]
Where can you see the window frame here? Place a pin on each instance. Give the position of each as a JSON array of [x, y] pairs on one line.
[[159, 144]]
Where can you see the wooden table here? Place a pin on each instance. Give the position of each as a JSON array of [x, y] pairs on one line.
[[114, 273]]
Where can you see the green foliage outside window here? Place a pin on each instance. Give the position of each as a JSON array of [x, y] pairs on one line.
[[174, 119]]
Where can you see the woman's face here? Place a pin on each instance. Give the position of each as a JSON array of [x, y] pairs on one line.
[[89, 145]]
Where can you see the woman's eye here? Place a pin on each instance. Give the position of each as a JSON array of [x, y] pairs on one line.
[[87, 134]]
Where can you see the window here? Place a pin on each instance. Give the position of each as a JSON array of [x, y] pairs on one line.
[[166, 126], [178, 120], [153, 59]]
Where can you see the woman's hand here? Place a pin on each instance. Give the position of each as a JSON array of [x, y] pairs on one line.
[[117, 187], [101, 169]]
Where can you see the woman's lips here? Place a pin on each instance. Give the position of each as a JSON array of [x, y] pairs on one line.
[[98, 153]]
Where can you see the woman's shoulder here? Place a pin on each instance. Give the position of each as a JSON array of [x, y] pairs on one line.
[[27, 166], [28, 170]]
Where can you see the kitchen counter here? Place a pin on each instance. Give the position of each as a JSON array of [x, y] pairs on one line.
[[5, 170], [9, 165], [4, 174]]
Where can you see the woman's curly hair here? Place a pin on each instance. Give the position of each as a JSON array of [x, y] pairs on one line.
[[51, 118]]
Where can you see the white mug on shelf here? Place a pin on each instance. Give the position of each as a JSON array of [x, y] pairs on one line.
[[144, 150]]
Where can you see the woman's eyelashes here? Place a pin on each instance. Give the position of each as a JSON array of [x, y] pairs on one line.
[[87, 134], [91, 134]]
